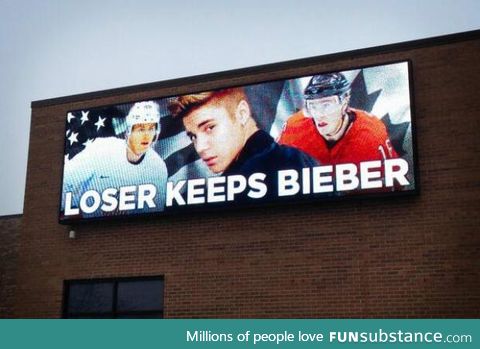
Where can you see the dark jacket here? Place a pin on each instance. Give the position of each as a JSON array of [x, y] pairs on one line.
[[262, 154]]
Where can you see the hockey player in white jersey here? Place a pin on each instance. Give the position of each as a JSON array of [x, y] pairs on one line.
[[114, 176]]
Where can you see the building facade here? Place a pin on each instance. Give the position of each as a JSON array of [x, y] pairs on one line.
[[412, 256], [9, 237]]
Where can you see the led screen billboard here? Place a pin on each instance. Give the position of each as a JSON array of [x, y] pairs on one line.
[[323, 136]]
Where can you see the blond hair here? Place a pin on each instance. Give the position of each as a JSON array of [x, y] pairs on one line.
[[181, 106]]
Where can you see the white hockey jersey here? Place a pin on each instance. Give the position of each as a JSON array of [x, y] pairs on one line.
[[103, 164]]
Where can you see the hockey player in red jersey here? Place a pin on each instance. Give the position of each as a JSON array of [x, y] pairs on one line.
[[331, 131]]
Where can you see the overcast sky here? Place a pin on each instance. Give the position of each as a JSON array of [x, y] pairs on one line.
[[56, 48]]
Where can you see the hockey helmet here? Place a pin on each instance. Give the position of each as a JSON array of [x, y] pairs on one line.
[[144, 113], [324, 85]]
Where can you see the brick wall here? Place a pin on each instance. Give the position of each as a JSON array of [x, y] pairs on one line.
[[9, 236], [389, 257]]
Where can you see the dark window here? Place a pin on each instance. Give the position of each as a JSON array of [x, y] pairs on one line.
[[126, 298]]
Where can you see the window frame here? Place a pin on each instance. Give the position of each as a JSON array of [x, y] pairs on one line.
[[114, 313]]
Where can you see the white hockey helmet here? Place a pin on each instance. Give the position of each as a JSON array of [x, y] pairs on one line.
[[144, 113]]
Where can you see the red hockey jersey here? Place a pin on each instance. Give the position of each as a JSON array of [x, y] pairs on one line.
[[366, 139]]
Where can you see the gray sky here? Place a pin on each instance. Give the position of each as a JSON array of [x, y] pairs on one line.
[[55, 48]]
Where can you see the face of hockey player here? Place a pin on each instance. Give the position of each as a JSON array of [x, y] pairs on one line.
[[218, 136], [327, 113], [141, 137]]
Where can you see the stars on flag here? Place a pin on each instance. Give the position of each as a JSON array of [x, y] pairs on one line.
[[88, 142], [73, 138], [70, 116], [84, 117], [100, 123], [84, 126]]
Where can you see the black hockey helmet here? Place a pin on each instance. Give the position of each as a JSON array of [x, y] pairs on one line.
[[324, 85]]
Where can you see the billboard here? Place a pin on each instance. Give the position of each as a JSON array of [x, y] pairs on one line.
[[322, 136]]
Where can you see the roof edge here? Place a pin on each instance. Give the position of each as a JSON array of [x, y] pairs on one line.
[[14, 215]]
